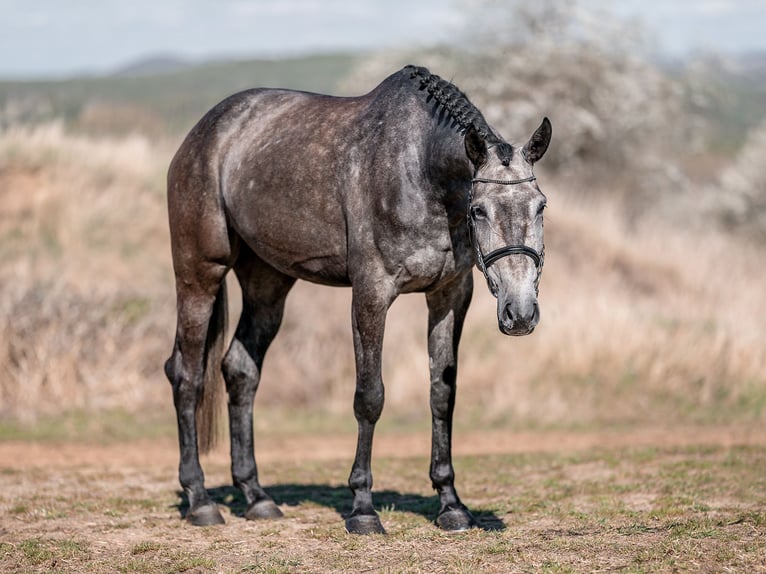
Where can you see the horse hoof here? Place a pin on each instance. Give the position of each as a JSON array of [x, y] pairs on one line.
[[456, 520], [207, 515], [364, 524], [263, 509]]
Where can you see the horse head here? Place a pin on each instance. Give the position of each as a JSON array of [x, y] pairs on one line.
[[505, 220]]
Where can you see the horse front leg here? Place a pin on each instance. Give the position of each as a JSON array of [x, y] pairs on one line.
[[447, 308], [369, 310]]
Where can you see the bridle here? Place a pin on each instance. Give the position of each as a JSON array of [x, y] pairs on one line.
[[483, 262]]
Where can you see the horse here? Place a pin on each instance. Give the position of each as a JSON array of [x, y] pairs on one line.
[[401, 190]]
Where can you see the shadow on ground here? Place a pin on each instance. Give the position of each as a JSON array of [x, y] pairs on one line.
[[339, 499]]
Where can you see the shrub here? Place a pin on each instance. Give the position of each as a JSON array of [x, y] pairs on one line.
[[741, 196]]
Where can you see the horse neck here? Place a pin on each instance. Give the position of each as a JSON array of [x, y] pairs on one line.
[[448, 169]]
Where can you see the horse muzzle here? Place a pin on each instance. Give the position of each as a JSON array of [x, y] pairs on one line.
[[518, 320]]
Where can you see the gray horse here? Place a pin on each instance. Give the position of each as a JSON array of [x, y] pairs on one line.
[[400, 190]]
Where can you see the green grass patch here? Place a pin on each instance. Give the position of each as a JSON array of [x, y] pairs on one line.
[[35, 551], [98, 427]]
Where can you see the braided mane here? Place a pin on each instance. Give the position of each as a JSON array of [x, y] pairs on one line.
[[458, 107]]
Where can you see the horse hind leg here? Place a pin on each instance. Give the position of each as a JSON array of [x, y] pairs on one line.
[[264, 291], [202, 254], [191, 368]]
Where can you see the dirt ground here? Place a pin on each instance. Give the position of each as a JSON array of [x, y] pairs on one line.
[[683, 499], [158, 453]]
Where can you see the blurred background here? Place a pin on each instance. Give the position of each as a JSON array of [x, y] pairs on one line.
[[653, 293]]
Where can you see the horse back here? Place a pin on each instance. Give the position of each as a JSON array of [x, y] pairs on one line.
[[312, 183]]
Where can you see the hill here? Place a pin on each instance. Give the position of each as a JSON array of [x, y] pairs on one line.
[[165, 99], [166, 94], [153, 65]]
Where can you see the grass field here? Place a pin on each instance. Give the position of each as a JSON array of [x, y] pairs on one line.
[[680, 500]]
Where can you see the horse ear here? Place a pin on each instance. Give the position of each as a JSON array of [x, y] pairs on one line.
[[535, 148], [475, 147]]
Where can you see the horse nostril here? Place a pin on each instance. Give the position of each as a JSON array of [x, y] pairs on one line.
[[510, 316]]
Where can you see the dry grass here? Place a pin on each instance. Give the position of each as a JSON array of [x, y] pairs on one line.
[[640, 324], [85, 272], [645, 322]]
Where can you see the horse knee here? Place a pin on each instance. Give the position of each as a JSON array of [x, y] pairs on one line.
[[368, 402]]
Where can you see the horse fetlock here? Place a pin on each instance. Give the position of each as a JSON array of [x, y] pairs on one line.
[[245, 478], [360, 483], [443, 477]]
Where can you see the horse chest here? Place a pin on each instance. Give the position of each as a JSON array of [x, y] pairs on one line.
[[420, 266]]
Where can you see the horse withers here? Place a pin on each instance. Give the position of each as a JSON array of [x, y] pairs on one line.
[[400, 190]]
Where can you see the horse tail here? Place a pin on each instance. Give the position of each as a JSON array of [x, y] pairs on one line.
[[210, 408]]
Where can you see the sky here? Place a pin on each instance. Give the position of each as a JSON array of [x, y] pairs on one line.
[[55, 38]]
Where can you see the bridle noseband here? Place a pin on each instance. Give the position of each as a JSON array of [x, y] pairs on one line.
[[483, 262]]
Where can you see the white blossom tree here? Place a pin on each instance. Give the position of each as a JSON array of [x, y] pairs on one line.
[[742, 191], [613, 111]]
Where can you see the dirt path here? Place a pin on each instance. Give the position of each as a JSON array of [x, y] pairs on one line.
[[157, 453]]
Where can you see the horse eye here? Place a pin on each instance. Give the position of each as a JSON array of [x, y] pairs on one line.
[[478, 212]]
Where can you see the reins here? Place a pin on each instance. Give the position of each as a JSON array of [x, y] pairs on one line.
[[483, 262]]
